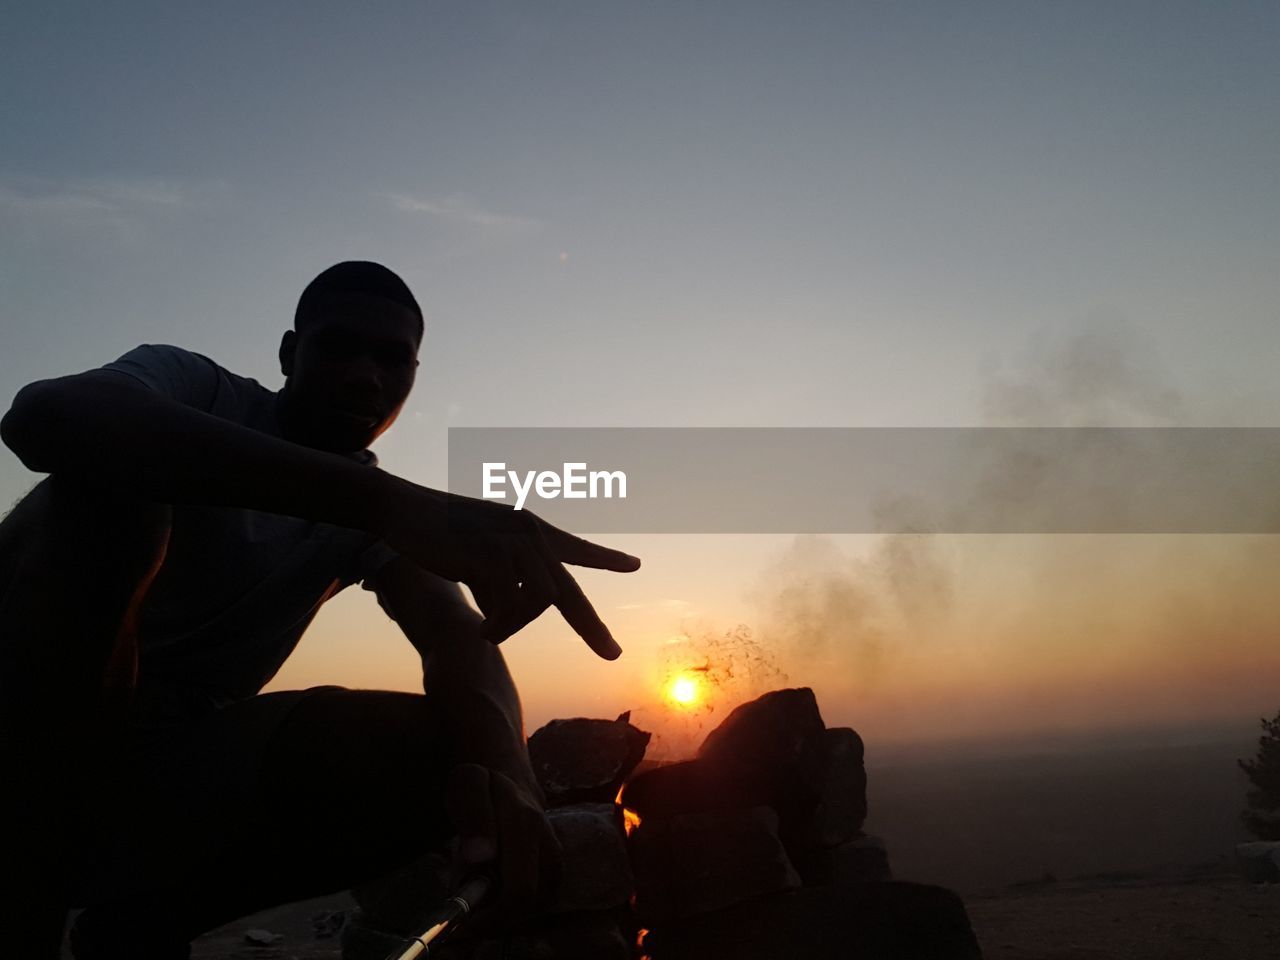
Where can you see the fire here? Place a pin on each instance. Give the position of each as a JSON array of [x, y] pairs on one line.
[[684, 690], [630, 819]]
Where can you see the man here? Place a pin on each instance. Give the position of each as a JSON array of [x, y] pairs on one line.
[[192, 524]]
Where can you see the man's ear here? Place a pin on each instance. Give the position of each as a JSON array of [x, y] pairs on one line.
[[288, 346]]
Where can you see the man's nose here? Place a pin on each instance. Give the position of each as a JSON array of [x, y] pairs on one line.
[[364, 375]]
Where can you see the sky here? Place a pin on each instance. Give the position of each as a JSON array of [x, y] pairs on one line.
[[714, 214]]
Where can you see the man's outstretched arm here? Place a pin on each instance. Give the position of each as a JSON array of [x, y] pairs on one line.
[[109, 430], [493, 796]]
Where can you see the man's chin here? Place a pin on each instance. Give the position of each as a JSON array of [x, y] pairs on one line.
[[343, 441], [349, 433]]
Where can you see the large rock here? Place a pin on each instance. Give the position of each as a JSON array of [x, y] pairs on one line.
[[583, 760], [812, 837], [780, 730], [862, 859], [869, 921], [772, 752], [695, 863], [685, 787], [842, 807], [596, 871]]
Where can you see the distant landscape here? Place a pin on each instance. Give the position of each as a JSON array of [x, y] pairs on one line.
[[983, 817]]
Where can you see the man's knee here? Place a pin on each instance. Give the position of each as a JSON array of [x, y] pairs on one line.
[[386, 748], [371, 729]]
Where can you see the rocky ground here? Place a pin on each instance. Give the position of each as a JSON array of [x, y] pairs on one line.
[[1196, 914]]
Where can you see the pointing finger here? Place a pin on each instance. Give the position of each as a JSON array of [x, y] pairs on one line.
[[567, 548], [579, 614]]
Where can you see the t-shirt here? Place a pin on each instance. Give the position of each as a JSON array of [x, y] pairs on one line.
[[237, 587]]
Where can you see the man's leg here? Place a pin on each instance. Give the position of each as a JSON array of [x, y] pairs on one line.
[[74, 567], [280, 798]]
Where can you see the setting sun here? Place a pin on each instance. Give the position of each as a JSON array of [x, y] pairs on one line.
[[684, 690]]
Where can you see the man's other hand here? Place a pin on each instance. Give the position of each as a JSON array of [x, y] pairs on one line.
[[514, 563], [503, 834]]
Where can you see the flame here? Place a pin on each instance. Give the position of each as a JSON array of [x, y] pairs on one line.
[[630, 819]]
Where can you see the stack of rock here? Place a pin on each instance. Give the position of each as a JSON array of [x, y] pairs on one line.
[[753, 849], [772, 801]]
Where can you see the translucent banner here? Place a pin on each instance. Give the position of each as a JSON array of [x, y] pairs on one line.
[[878, 480]]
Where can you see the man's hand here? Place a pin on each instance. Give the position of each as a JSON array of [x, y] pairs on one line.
[[503, 834], [513, 561]]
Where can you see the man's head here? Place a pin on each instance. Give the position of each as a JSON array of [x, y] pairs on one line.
[[350, 359]]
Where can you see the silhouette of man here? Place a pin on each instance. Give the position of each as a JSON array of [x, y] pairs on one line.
[[192, 524]]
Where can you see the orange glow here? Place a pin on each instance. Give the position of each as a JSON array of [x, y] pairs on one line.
[[630, 820]]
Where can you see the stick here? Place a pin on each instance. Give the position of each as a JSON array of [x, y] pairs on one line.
[[447, 914]]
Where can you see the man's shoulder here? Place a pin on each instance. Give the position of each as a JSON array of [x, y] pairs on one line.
[[182, 359], [191, 378]]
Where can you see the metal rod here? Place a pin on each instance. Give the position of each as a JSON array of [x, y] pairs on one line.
[[445, 917]]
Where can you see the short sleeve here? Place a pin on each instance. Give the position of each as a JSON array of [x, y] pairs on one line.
[[181, 375]]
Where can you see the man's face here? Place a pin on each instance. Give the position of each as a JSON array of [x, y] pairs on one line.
[[349, 372]]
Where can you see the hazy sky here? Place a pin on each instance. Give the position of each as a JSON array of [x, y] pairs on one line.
[[735, 213]]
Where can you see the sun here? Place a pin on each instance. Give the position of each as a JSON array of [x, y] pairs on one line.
[[684, 690]]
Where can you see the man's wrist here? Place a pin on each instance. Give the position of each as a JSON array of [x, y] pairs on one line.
[[388, 502]]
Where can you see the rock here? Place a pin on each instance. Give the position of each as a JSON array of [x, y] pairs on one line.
[[600, 943], [780, 729], [842, 806], [1259, 861], [685, 787], [860, 860], [262, 938], [869, 921], [597, 873], [771, 749], [327, 923], [593, 935], [364, 940], [607, 945], [583, 760], [395, 902], [695, 863]]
